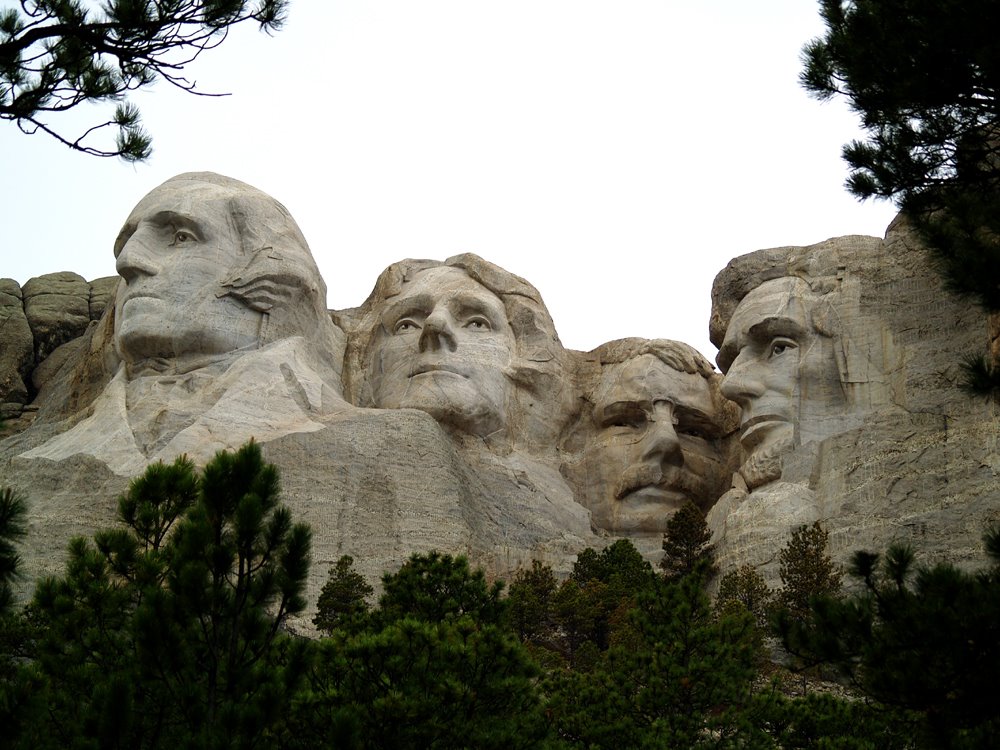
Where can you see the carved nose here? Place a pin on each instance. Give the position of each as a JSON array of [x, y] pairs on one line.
[[661, 443], [740, 384], [135, 260], [437, 334]]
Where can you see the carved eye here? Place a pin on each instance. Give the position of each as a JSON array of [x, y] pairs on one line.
[[406, 325], [780, 346], [625, 420], [183, 236], [692, 431], [478, 323]]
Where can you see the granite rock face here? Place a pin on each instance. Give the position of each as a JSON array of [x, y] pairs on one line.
[[444, 413], [35, 322], [218, 332], [845, 358]]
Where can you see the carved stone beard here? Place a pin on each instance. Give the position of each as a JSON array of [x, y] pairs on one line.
[[765, 465]]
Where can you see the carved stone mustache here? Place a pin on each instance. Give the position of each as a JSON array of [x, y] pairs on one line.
[[647, 475]]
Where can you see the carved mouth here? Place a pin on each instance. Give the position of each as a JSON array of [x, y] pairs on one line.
[[650, 483], [653, 493], [422, 369], [753, 430]]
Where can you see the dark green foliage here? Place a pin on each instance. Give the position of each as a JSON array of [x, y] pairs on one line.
[[686, 542], [13, 517], [924, 76], [436, 587], [619, 565], [167, 631], [924, 641], [435, 667], [680, 682], [806, 570], [588, 612], [342, 600], [56, 55], [746, 588], [819, 720]]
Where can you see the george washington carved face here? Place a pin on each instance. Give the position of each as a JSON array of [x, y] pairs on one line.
[[177, 248]]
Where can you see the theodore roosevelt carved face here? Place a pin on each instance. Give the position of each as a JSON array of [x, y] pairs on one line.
[[655, 436], [445, 347]]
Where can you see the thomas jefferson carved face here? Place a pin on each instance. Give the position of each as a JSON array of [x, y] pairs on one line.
[[176, 248], [445, 347], [780, 370], [654, 446]]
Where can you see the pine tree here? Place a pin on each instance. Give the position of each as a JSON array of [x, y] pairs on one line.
[[746, 588], [529, 606], [342, 599], [806, 570], [55, 56], [682, 682], [924, 76], [13, 514], [168, 630], [919, 641], [686, 542], [435, 666]]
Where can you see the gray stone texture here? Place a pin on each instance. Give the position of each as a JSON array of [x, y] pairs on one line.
[[444, 413], [906, 455]]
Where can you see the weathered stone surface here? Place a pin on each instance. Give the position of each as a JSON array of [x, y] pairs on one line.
[[444, 413], [16, 345], [102, 292], [376, 484], [655, 433], [57, 306], [194, 357], [844, 357]]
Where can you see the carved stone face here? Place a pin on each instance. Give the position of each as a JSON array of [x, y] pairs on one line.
[[653, 446], [445, 347], [779, 369], [176, 247]]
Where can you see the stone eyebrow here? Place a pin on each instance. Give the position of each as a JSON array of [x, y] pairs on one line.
[[417, 303], [698, 417], [775, 326]]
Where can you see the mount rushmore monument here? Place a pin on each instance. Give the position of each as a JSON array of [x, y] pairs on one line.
[[444, 413]]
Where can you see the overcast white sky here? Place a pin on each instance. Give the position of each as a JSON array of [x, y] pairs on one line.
[[615, 153]]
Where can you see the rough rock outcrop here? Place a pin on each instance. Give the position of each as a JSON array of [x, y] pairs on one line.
[[16, 350], [36, 321]]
